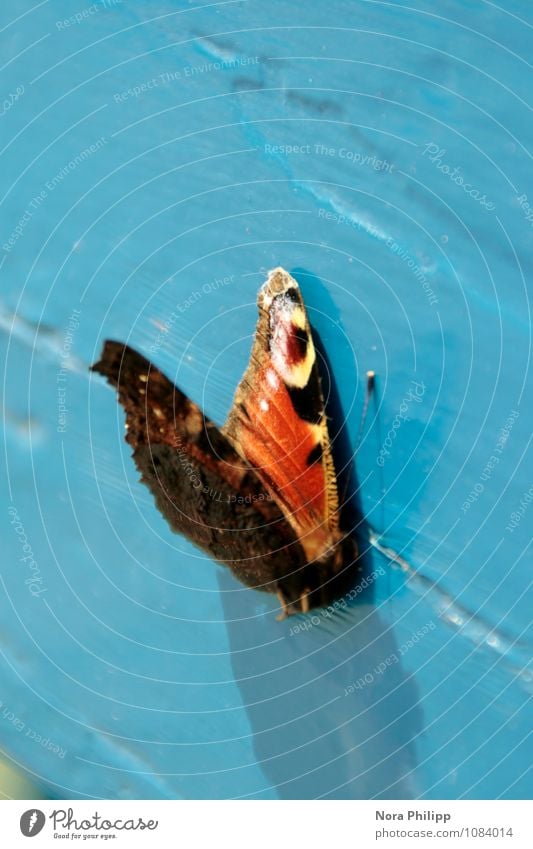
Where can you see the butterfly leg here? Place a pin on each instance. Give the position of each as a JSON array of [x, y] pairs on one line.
[[284, 607]]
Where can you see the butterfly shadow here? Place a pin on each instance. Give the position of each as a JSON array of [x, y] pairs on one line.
[[343, 442], [332, 710], [334, 714]]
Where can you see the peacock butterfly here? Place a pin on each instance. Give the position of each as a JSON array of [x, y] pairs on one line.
[[260, 494]]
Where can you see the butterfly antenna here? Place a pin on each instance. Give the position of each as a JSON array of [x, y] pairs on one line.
[[370, 383]]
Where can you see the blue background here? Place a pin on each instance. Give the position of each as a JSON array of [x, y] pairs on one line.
[[150, 670]]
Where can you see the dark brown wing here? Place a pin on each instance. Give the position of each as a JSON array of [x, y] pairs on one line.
[[200, 484]]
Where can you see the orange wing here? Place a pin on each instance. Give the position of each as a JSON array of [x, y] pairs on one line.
[[277, 422]]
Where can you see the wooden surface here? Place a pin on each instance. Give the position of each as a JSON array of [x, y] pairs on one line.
[[132, 666]]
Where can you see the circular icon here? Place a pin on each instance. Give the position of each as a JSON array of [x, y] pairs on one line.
[[32, 822]]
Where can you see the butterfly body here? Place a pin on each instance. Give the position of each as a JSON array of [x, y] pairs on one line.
[[260, 494]]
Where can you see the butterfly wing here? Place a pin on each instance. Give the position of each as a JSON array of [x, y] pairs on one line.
[[200, 484], [278, 423]]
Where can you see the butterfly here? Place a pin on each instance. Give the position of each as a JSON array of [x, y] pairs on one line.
[[260, 494]]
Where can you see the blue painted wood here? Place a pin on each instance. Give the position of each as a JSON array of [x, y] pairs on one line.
[[155, 162]]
